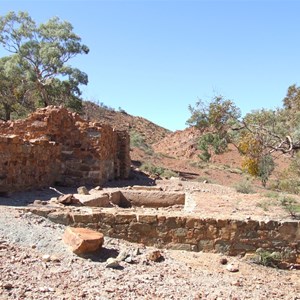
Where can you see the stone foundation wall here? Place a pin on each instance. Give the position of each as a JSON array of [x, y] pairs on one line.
[[86, 153], [190, 233]]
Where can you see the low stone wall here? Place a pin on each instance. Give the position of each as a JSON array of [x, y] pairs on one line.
[[190, 233], [85, 153]]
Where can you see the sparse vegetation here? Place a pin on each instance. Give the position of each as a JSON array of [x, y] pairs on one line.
[[245, 186], [157, 170], [121, 110], [204, 179], [267, 259], [159, 154], [290, 205], [272, 194], [137, 140], [265, 205]]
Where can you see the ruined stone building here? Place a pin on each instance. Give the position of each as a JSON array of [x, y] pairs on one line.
[[56, 146]]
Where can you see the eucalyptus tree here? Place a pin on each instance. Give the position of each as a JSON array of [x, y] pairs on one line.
[[43, 53], [256, 136], [215, 121], [13, 89]]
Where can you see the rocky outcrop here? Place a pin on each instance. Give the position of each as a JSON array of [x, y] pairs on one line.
[[54, 145]]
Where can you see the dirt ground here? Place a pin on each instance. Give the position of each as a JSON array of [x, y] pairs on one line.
[[35, 264]]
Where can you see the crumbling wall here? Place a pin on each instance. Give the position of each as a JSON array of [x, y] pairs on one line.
[[25, 163], [85, 153]]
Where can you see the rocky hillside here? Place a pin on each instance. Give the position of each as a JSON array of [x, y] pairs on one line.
[[150, 132], [181, 143], [176, 151]]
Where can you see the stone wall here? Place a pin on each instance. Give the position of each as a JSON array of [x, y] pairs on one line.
[[57, 146], [190, 233], [25, 163]]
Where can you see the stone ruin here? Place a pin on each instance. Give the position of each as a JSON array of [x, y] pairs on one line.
[[56, 146]]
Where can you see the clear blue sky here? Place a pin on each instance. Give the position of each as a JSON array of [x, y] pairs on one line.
[[154, 58]]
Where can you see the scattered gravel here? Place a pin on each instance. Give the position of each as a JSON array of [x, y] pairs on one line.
[[35, 264]]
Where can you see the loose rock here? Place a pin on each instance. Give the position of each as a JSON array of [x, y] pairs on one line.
[[155, 256], [83, 240], [112, 263], [82, 190], [232, 268]]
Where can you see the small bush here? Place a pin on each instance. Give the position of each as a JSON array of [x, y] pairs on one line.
[[136, 140], [272, 194], [245, 187], [289, 179], [266, 166], [235, 171], [204, 179], [267, 259], [158, 171], [264, 205], [199, 164], [169, 173], [289, 185], [290, 205], [205, 156]]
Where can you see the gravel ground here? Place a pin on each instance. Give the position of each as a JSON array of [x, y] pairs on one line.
[[35, 264]]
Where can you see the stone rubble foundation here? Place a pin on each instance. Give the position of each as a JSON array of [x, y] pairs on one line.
[[183, 231], [55, 146]]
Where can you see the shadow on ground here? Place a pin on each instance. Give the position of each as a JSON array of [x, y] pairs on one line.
[[27, 197], [101, 255]]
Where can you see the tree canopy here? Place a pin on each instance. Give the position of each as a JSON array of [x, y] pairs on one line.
[[215, 120], [257, 135], [40, 55]]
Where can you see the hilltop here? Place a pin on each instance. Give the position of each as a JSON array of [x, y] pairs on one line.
[[121, 120]]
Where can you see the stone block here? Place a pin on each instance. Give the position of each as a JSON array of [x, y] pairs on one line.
[[95, 200], [149, 219], [125, 218], [60, 217], [182, 247], [154, 198], [206, 245], [83, 240], [146, 188], [115, 197], [84, 218], [142, 229]]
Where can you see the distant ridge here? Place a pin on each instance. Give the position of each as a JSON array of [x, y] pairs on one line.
[[121, 120]]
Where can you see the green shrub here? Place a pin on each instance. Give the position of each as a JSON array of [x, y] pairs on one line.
[[203, 179], [266, 166], [289, 179], [169, 173], [264, 205], [158, 171], [289, 185], [267, 259], [272, 194], [136, 140], [245, 186], [290, 205], [204, 156]]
